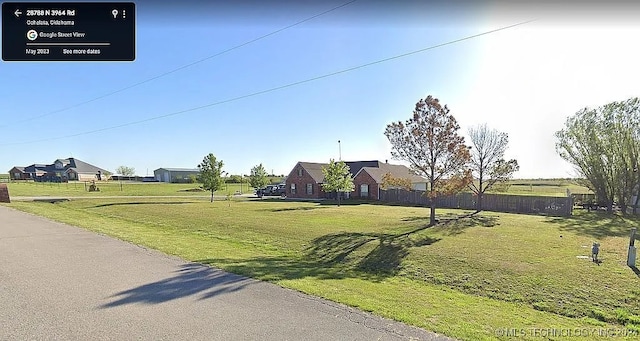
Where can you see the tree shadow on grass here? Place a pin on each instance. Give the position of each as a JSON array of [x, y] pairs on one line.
[[381, 254], [277, 268], [268, 199], [453, 224], [287, 209], [369, 256], [51, 200], [190, 280], [457, 226], [372, 257], [146, 203], [596, 224]]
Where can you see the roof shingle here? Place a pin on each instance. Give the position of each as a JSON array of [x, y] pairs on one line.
[[77, 165], [374, 168], [397, 171]]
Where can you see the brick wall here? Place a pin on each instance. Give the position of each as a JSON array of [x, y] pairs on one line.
[[301, 185], [4, 194], [364, 178]]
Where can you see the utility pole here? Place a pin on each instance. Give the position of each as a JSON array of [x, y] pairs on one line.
[[339, 151]]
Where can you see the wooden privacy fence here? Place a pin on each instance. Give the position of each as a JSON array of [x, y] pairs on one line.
[[553, 206], [580, 199]]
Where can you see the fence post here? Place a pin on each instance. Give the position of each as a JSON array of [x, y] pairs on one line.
[[631, 256]]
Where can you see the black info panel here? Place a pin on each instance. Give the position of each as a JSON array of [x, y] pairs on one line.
[[68, 31]]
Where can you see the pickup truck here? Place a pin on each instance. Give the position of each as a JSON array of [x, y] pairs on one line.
[[272, 190]]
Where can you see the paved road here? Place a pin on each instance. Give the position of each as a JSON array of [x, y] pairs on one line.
[[64, 283]]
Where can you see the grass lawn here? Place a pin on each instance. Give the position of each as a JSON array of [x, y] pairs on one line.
[[551, 187], [547, 187], [30, 189], [469, 278]]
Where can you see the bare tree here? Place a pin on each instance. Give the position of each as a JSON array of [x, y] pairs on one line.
[[487, 160]]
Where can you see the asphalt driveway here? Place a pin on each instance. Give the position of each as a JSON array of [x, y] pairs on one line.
[[62, 282]]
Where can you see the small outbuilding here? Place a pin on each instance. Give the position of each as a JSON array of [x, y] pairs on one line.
[[175, 175]]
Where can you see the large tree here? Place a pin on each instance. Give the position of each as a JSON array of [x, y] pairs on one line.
[[603, 144], [430, 143], [126, 171], [337, 178], [211, 174], [258, 177], [487, 160]]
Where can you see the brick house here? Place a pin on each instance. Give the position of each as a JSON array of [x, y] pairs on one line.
[[306, 178], [305, 181]]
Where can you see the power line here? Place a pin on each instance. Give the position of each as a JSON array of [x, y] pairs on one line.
[[182, 67], [233, 99]]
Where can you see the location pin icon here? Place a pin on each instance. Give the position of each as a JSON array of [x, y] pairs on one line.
[[115, 13]]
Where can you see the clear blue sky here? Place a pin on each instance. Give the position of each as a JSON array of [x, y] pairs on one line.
[[524, 81]]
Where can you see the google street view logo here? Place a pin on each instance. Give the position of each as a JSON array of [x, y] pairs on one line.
[[32, 35]]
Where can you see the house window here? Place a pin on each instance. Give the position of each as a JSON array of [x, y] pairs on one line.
[[309, 188], [299, 171], [293, 188], [364, 190]]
